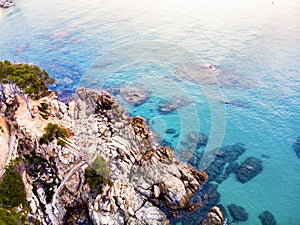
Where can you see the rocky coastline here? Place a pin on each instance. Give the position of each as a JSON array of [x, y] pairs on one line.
[[147, 184]]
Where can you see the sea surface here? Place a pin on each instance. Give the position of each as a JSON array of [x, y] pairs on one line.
[[174, 49]]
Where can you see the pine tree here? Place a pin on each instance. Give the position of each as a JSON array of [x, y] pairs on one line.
[[26, 81]]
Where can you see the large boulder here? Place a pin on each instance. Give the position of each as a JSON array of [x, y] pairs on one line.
[[250, 168], [238, 213], [214, 217]]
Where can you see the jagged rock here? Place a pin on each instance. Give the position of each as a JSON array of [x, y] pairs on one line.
[[150, 214], [138, 124], [214, 217], [267, 218], [250, 168], [296, 147], [238, 213], [156, 191]]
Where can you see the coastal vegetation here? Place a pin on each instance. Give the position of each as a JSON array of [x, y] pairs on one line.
[[53, 131], [42, 174], [44, 110], [23, 80], [12, 189], [8, 217], [97, 175]]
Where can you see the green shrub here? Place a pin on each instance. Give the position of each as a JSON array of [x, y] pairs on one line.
[[43, 108], [54, 131], [101, 168], [11, 218], [97, 175], [12, 189]]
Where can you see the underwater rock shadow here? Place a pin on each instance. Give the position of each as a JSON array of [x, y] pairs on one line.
[[212, 75]]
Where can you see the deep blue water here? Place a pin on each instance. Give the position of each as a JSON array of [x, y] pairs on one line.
[[255, 46]]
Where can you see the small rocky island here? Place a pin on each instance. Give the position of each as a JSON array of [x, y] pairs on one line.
[[85, 161]]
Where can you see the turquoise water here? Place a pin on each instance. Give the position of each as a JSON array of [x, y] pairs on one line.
[[255, 46]]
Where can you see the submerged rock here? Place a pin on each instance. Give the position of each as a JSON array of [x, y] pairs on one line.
[[225, 162], [267, 218], [250, 168], [175, 103], [296, 147], [170, 131], [212, 75], [237, 103], [197, 139], [238, 213], [135, 95]]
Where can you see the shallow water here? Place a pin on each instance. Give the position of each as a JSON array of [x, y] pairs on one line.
[[255, 46]]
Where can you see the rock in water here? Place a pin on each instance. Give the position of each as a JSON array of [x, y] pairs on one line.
[[250, 168], [135, 95], [296, 147], [170, 131], [197, 139], [267, 218], [238, 213], [175, 103], [224, 162], [214, 217]]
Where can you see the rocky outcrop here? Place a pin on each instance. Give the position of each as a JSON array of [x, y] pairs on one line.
[[6, 3], [267, 218], [238, 213], [250, 168], [144, 177]]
